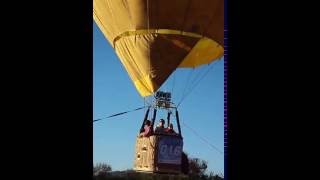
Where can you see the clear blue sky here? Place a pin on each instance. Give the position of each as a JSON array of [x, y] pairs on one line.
[[114, 92]]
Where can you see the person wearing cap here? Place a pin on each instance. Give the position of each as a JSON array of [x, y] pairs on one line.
[[160, 128]]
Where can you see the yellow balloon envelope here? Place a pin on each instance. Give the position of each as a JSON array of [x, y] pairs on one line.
[[152, 38]]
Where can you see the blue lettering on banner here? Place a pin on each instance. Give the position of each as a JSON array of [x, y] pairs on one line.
[[169, 150]]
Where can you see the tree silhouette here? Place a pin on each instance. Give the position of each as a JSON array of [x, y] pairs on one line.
[[101, 169]]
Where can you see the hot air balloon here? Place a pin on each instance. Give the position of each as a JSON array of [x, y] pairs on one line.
[[153, 38]]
